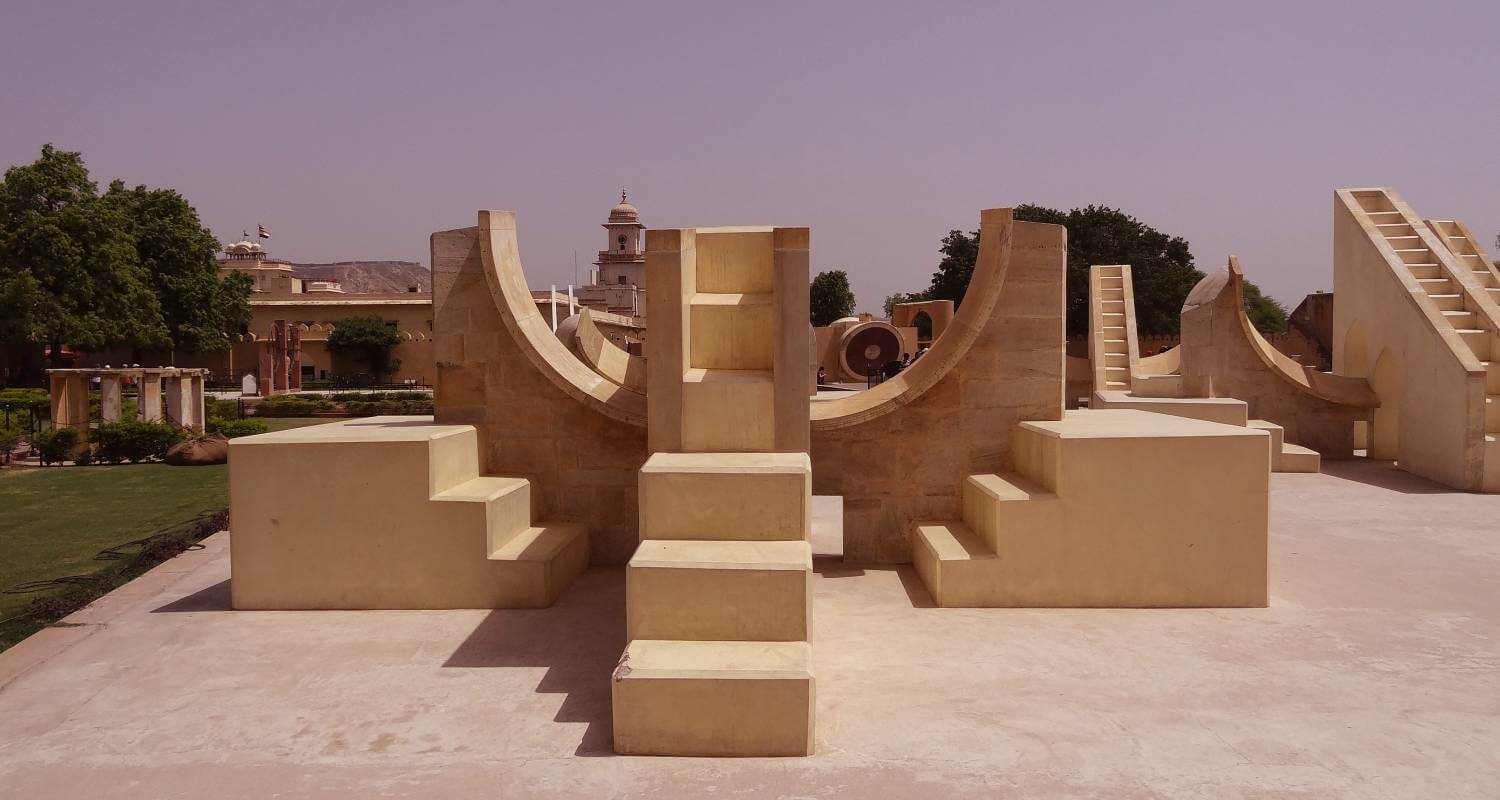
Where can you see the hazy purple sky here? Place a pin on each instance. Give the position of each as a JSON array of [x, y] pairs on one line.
[[354, 130]]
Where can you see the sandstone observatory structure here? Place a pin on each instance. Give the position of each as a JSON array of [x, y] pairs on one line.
[[1222, 350], [718, 593], [1224, 344], [1416, 314], [965, 464]]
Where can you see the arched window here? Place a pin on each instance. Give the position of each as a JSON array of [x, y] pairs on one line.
[[622, 241]]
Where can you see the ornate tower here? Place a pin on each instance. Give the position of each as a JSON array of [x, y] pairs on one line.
[[622, 262]]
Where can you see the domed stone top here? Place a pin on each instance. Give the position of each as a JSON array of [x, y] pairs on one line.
[[242, 247], [624, 212]]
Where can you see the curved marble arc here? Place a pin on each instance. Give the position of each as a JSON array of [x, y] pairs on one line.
[[533, 334]]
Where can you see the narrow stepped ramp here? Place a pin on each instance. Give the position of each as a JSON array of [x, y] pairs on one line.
[[718, 593], [440, 535], [1465, 246], [1438, 320], [1112, 342]]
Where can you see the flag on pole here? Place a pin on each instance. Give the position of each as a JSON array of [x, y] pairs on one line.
[[264, 234]]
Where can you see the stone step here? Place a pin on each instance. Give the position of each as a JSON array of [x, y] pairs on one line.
[[502, 506], [1426, 271], [1278, 437], [1448, 302], [678, 698], [1492, 413], [996, 507], [719, 591], [540, 561], [954, 562], [1461, 319], [1478, 341], [1295, 458], [726, 496]]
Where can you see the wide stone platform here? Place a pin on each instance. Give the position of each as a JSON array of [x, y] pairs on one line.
[[1375, 672]]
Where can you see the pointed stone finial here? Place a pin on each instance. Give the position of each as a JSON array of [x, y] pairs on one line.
[[622, 195]]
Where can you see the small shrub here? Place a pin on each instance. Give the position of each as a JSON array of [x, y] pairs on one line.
[[56, 445], [234, 428], [134, 440], [423, 396], [291, 405], [84, 457], [221, 407]]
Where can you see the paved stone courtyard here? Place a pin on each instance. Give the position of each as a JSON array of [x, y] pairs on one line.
[[1375, 673]]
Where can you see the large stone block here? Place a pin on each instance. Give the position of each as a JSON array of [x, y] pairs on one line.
[[726, 496], [714, 699], [719, 591]]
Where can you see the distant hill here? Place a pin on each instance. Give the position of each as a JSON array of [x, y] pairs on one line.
[[369, 276]]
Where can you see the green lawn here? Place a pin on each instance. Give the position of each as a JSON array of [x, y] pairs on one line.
[[54, 520]]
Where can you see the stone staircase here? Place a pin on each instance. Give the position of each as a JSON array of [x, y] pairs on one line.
[[1124, 383], [1112, 342], [443, 536], [1464, 245], [1120, 508], [718, 593], [1462, 286]]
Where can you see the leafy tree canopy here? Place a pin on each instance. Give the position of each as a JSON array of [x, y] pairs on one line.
[[830, 297], [368, 338], [1161, 266], [198, 305], [128, 268], [1266, 313]]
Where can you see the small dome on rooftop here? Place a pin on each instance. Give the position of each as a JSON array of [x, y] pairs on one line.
[[624, 212]]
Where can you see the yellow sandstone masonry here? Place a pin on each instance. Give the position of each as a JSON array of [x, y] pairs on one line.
[[718, 593]]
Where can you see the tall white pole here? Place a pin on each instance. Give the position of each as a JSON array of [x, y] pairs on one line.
[[553, 298], [572, 305]]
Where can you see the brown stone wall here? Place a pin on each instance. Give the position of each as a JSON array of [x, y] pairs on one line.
[[910, 464]]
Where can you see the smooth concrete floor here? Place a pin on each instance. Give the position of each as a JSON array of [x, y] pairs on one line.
[[1375, 674]]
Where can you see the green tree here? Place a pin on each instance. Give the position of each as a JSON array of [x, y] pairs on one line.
[[370, 339], [198, 305], [829, 297], [1161, 268], [69, 271], [892, 300], [960, 252], [1266, 313]]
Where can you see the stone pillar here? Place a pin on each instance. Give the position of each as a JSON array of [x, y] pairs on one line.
[[175, 405], [263, 385], [148, 401], [70, 402], [195, 403], [109, 398], [294, 359], [278, 357]]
